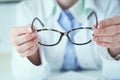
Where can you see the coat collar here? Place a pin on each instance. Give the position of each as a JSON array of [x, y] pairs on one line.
[[80, 10]]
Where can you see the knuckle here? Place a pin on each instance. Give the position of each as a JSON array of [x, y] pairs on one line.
[[111, 20], [112, 40], [101, 39], [112, 45], [114, 29], [28, 26], [27, 53], [17, 42], [115, 38], [103, 30], [102, 23], [19, 50], [28, 37], [28, 44]]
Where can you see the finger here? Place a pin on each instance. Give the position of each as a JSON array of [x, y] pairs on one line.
[[102, 38], [111, 30], [110, 39], [109, 45], [25, 38], [17, 31], [110, 21], [30, 51], [22, 48]]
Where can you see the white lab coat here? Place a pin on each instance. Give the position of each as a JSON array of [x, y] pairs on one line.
[[89, 56]]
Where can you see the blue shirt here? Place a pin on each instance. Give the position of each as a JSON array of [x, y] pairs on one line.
[[68, 22]]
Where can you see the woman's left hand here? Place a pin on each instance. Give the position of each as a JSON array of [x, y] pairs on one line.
[[108, 34]]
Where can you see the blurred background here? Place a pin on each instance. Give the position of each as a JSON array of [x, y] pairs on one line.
[[7, 21]]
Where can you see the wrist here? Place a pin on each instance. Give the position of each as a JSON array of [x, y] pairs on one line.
[[35, 58], [114, 52]]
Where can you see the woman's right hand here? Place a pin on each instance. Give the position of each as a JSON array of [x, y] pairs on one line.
[[25, 40]]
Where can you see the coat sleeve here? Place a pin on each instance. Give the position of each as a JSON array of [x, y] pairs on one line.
[[22, 68], [110, 67]]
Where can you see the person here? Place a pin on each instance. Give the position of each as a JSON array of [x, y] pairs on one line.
[[38, 60], [107, 34]]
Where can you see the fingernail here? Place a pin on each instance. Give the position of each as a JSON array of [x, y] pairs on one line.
[[95, 38], [96, 31], [35, 40], [29, 30], [33, 34], [99, 26]]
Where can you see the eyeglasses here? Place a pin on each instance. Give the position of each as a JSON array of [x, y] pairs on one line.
[[79, 38]]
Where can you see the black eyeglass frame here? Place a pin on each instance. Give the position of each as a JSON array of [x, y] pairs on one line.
[[65, 33]]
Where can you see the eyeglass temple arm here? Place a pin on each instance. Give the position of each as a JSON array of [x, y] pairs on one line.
[[93, 13], [36, 18]]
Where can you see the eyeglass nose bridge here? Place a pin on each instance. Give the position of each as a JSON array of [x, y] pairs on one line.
[[65, 34]]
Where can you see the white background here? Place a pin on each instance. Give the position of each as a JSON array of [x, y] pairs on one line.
[[7, 21]]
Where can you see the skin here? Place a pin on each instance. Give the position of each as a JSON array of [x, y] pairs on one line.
[[108, 35], [25, 40], [65, 4]]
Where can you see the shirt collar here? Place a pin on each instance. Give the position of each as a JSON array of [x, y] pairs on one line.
[[83, 8]]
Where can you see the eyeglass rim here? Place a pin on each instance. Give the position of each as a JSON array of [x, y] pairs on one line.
[[92, 13], [67, 34]]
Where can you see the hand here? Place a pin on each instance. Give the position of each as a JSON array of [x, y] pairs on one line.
[[25, 40], [108, 34]]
